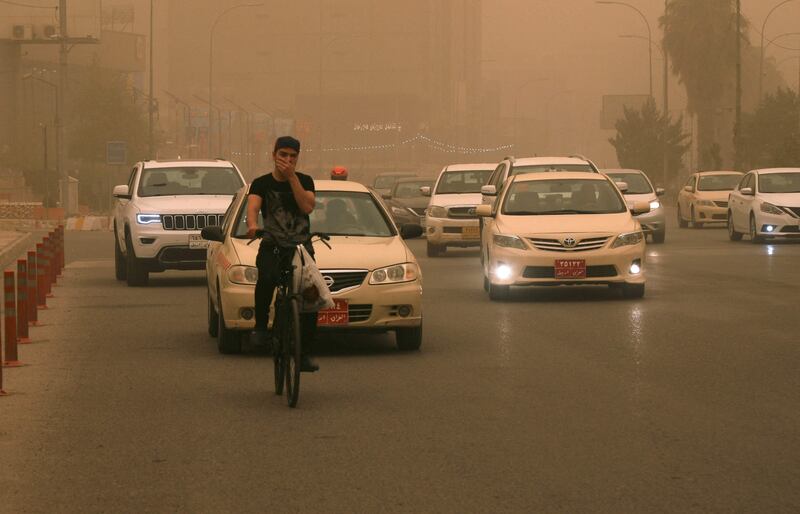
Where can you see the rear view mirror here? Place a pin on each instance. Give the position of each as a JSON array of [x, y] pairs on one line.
[[410, 231], [747, 191], [386, 196], [212, 233], [121, 191], [660, 191], [640, 208], [484, 211], [688, 189], [425, 190], [489, 190], [623, 186]]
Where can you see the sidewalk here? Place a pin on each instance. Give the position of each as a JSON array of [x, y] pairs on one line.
[[13, 244]]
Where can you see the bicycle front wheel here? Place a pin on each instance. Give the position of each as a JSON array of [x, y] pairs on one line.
[[292, 346]]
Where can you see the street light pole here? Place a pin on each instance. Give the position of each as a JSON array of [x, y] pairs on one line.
[[211, 66], [151, 101], [61, 169], [649, 33], [761, 60]]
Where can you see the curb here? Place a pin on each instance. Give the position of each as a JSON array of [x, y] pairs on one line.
[[10, 253]]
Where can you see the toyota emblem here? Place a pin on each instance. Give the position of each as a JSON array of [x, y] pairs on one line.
[[328, 280], [569, 242]]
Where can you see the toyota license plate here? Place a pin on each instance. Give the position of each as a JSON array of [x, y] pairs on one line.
[[196, 242], [471, 232], [570, 268], [339, 314]]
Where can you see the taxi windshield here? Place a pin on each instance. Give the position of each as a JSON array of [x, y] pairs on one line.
[[557, 197], [718, 182]]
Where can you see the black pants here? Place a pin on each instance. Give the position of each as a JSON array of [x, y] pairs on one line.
[[270, 263]]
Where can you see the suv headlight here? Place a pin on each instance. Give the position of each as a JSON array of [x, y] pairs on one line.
[[394, 274], [434, 211], [246, 275], [705, 203], [771, 209], [655, 204], [629, 239], [504, 241], [147, 219]]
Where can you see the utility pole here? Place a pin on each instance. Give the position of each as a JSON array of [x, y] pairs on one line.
[[738, 123], [667, 117], [61, 169], [151, 100]]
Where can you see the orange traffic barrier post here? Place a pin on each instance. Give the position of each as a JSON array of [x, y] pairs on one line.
[[59, 251], [2, 391], [48, 255], [12, 359], [41, 287], [33, 318], [54, 271], [23, 336]]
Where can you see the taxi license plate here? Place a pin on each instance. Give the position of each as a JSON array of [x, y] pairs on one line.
[[570, 268], [338, 315], [472, 232], [196, 242]]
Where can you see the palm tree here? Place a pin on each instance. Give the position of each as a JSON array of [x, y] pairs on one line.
[[700, 37]]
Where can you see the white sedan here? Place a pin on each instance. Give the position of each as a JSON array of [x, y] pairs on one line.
[[766, 205], [562, 228]]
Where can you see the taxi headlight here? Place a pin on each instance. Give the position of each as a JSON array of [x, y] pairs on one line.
[[771, 209], [629, 239], [705, 203], [655, 204], [147, 219], [247, 275], [504, 241], [434, 211], [395, 274]]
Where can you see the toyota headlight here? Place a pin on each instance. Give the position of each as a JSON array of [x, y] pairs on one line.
[[147, 219], [771, 209], [246, 275], [395, 274], [655, 204], [504, 241], [629, 239], [434, 211], [705, 203]]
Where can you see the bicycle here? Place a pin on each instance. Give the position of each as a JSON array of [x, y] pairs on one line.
[[287, 342]]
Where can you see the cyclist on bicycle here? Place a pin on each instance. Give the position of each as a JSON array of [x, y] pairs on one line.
[[285, 198]]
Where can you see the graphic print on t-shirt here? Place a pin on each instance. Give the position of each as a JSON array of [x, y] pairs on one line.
[[284, 223]]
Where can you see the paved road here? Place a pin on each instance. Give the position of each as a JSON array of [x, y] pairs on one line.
[[559, 400]]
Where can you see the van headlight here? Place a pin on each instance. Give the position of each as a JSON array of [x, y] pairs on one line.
[[394, 274], [629, 239], [434, 211], [771, 209], [147, 219], [246, 275], [504, 241]]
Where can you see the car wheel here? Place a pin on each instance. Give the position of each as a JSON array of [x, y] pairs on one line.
[[659, 237], [435, 250], [633, 290], [732, 234], [681, 222], [213, 318], [120, 267], [754, 237], [228, 341], [409, 339], [498, 293], [135, 273], [695, 223]]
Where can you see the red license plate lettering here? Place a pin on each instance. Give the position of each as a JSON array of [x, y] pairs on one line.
[[337, 315], [570, 268]]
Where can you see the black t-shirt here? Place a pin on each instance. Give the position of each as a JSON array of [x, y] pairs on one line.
[[284, 223]]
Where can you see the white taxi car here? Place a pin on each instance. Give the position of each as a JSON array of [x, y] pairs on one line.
[[562, 228], [766, 205], [450, 219], [375, 279], [704, 198]]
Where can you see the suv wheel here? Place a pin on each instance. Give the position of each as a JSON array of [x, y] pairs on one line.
[[409, 339], [681, 222], [120, 267], [228, 341], [135, 272]]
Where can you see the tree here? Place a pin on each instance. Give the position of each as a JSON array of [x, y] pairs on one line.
[[645, 136], [770, 137], [700, 38]]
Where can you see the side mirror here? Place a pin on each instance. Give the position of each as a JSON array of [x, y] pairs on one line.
[[623, 186], [640, 208], [411, 231], [660, 191], [386, 196], [688, 189], [121, 191], [212, 233], [747, 191], [484, 211], [425, 190], [489, 190]]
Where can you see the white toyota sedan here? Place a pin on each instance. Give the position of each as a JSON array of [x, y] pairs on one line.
[[562, 228], [375, 279], [766, 205]]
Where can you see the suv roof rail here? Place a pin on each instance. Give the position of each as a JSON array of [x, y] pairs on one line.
[[510, 158]]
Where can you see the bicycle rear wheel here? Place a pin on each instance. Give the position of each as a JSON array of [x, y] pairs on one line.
[[292, 346]]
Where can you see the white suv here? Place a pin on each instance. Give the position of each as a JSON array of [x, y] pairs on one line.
[[160, 211]]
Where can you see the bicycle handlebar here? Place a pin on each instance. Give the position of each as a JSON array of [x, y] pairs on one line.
[[320, 235]]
